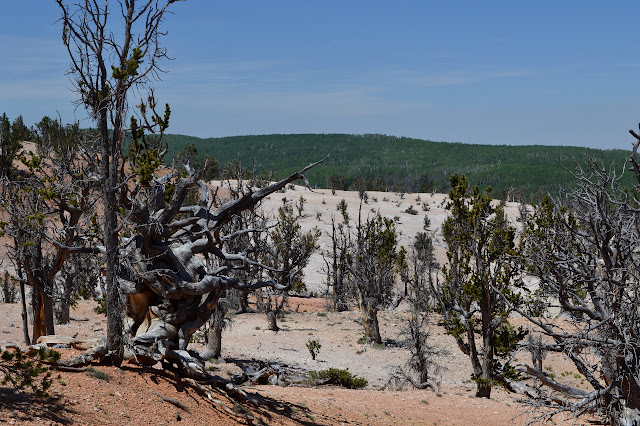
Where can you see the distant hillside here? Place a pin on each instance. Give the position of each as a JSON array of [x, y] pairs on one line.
[[401, 164]]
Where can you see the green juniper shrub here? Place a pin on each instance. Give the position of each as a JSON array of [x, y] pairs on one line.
[[23, 370], [336, 376]]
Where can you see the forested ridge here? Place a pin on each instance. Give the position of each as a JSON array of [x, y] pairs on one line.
[[402, 164]]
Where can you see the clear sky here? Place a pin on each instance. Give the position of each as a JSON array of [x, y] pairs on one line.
[[494, 72]]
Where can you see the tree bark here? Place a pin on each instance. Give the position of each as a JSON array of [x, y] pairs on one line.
[[63, 314], [25, 319], [39, 327], [370, 320], [47, 299], [214, 337], [115, 304], [483, 390]]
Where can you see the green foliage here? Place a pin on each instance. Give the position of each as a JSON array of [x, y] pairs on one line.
[[388, 163], [101, 307], [426, 223], [410, 210], [145, 159], [482, 263], [290, 248], [336, 376], [101, 375], [28, 370], [314, 348], [130, 66], [11, 137], [342, 208], [189, 155]]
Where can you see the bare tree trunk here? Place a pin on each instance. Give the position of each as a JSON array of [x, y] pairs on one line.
[[370, 320], [39, 328], [64, 305], [115, 305], [483, 389], [43, 314], [214, 337], [47, 300], [25, 319]]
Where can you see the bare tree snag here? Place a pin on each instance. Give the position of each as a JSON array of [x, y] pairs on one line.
[[584, 251], [171, 288]]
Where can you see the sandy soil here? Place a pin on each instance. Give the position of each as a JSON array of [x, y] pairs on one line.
[[133, 395]]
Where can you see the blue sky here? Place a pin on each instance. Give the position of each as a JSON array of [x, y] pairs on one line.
[[508, 72]]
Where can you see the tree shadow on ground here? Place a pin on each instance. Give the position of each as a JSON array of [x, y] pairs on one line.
[[23, 406], [268, 408]]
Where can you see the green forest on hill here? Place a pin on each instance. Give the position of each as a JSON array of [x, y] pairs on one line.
[[392, 163]]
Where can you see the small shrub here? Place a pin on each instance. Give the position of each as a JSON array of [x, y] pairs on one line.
[[338, 377], [411, 210], [300, 205], [101, 375], [314, 348], [299, 287], [425, 206], [240, 409], [22, 370], [102, 305], [342, 208], [427, 223]]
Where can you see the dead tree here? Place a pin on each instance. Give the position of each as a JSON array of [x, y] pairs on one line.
[[584, 251], [245, 232], [170, 292]]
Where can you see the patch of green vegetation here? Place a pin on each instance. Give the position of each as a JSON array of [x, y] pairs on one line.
[[399, 164], [28, 370], [336, 376], [314, 348], [92, 372], [101, 308], [240, 409]]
